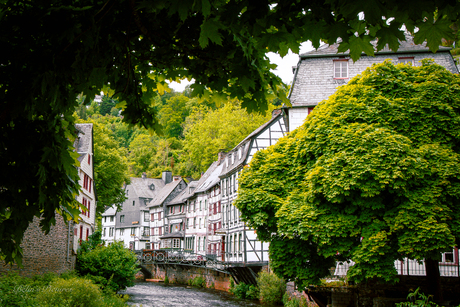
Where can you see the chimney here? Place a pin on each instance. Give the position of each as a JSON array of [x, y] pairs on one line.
[[220, 157], [276, 112], [176, 178], [166, 176]]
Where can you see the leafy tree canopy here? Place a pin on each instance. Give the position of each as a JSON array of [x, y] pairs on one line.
[[372, 176], [209, 131], [54, 50]]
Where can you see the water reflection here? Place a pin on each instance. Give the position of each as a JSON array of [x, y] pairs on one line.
[[159, 295]]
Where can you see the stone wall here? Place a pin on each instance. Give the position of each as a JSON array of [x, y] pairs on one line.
[[181, 274], [45, 253]]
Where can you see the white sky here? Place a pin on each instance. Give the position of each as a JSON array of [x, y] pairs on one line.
[[284, 69]]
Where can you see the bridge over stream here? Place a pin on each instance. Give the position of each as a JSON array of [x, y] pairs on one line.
[[241, 272]]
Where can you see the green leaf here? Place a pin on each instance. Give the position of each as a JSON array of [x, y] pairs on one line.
[[210, 31]]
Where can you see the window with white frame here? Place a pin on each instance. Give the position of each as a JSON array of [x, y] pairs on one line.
[[146, 216], [176, 243], [341, 69], [133, 231], [122, 231], [111, 231]]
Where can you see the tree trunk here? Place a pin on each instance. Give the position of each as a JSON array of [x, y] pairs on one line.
[[433, 279]]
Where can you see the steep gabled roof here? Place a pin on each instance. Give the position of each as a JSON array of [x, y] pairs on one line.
[[407, 46], [212, 179], [184, 194], [245, 145], [143, 186], [110, 211], [83, 144], [161, 196]]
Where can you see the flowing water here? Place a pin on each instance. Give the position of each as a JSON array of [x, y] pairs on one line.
[[152, 294]]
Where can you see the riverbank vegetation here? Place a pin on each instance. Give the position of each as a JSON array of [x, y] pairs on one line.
[[53, 290], [111, 267]]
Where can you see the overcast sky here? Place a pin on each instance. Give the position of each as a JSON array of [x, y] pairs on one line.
[[284, 69]]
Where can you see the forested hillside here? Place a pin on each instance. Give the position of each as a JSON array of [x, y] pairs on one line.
[[193, 132]]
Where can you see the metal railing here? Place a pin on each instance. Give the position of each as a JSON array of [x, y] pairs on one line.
[[181, 257], [409, 267]]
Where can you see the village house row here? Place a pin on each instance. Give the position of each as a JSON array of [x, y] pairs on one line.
[[199, 216]]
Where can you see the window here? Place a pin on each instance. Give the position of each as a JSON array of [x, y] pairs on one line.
[[105, 219], [122, 218], [146, 216], [199, 223], [111, 218], [406, 60], [176, 243], [122, 231], [146, 231], [111, 231], [104, 232], [134, 202], [200, 205], [87, 233], [340, 69], [147, 245], [240, 243], [133, 231], [194, 222], [199, 243], [205, 204]]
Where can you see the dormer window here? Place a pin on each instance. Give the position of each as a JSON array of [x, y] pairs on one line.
[[406, 60], [341, 69]]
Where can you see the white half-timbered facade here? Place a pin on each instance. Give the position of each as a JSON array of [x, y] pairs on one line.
[[241, 243]]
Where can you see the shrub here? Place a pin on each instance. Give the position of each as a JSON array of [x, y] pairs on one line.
[[17, 291], [70, 292], [113, 267], [272, 288], [418, 299], [166, 281], [245, 291], [197, 281], [293, 301]]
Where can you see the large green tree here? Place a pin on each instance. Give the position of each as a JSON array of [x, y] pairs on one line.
[[373, 175], [54, 50], [209, 131], [110, 168]]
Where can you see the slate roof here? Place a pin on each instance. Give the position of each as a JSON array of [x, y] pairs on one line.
[[83, 141], [110, 211], [213, 177], [184, 194], [142, 186], [407, 46], [246, 146], [161, 196]]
